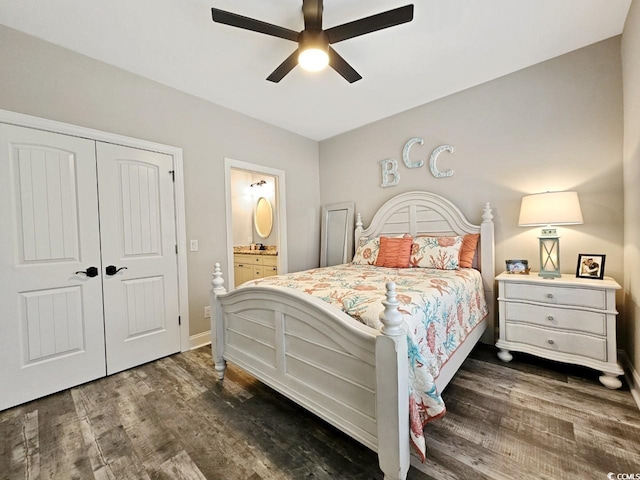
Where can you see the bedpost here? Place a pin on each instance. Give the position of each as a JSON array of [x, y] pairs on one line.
[[358, 231], [488, 269], [217, 323], [392, 391]]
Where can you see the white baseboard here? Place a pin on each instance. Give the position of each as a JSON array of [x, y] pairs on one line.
[[200, 340], [631, 376]]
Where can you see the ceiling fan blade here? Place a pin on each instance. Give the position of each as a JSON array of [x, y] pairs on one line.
[[341, 66], [235, 20], [284, 68], [370, 24], [312, 12]]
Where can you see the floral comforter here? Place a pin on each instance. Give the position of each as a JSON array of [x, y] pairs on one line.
[[440, 308]]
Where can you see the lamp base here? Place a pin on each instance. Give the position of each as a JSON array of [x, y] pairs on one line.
[[549, 254], [549, 275]]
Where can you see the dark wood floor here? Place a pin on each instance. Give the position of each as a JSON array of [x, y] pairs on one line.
[[170, 419]]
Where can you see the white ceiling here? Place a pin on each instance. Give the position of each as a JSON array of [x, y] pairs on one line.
[[450, 45]]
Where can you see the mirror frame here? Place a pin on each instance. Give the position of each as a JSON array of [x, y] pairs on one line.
[[267, 231], [347, 253]]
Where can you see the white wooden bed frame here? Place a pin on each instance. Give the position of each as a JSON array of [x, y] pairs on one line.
[[352, 376]]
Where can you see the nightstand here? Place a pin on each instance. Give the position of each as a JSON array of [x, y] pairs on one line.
[[567, 319]]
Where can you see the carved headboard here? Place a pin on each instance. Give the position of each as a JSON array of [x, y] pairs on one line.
[[425, 213]]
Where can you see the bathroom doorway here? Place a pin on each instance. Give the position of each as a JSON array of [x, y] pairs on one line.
[[252, 189]]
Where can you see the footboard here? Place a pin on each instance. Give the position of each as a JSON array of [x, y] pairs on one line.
[[351, 375]]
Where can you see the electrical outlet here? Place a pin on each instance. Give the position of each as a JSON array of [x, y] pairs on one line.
[[207, 312]]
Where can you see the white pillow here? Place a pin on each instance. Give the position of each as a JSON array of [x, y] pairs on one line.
[[367, 252], [442, 253]]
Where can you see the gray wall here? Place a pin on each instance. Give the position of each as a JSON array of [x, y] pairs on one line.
[[631, 78], [553, 126], [38, 78]]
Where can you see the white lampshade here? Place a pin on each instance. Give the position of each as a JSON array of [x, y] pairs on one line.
[[550, 208]]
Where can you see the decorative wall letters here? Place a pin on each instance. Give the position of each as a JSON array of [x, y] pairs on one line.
[[405, 153], [389, 167], [434, 157]]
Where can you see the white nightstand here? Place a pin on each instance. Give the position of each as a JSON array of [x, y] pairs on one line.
[[567, 319]]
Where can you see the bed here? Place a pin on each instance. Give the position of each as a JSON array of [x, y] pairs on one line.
[[352, 375]]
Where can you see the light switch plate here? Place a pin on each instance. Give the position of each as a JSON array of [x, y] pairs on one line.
[[207, 312], [193, 245]]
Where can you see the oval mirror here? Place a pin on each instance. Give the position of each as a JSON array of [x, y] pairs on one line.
[[263, 217]]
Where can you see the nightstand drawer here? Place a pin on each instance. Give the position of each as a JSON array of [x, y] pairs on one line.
[[563, 342], [579, 297], [552, 317]]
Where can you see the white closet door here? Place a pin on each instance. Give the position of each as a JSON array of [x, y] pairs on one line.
[[51, 320], [137, 225]]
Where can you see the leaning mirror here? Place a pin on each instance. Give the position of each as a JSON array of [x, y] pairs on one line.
[[263, 217], [336, 240]]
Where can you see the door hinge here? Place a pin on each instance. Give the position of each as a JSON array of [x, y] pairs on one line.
[[179, 320], [173, 175], [176, 248]]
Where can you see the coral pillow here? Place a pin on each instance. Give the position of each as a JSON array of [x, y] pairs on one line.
[[468, 250], [367, 252], [442, 253], [394, 252]]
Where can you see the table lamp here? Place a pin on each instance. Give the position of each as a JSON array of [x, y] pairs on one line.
[[550, 208]]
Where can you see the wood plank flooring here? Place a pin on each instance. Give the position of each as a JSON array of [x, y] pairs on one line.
[[170, 419]]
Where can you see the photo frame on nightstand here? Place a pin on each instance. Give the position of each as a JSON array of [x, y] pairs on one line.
[[590, 265], [518, 266]]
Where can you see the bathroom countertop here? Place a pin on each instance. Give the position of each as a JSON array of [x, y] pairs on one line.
[[269, 250]]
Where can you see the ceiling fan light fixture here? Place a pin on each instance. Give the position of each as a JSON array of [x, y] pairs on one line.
[[313, 59], [314, 50]]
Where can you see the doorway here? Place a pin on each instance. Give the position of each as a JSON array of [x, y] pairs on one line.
[[241, 201]]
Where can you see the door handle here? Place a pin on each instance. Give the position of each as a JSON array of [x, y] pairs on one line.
[[89, 272], [112, 269]]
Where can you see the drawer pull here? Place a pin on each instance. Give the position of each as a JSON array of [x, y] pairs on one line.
[[551, 342], [549, 295], [550, 318]]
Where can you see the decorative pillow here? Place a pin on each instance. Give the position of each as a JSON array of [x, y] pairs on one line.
[[468, 250], [394, 252], [367, 252], [442, 253]]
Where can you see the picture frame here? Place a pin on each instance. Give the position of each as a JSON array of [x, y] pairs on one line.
[[590, 265], [520, 267]]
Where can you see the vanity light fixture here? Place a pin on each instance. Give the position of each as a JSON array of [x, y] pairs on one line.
[[259, 184], [550, 208]]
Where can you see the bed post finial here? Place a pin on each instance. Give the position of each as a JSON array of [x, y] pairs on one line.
[[487, 216], [390, 317], [392, 404], [358, 231], [217, 281]]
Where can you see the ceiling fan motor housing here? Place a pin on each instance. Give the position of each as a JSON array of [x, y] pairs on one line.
[[313, 39]]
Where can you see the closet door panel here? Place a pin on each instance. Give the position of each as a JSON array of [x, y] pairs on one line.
[[138, 232], [51, 321]]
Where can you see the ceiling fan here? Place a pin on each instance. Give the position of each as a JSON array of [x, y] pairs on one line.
[[314, 44]]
